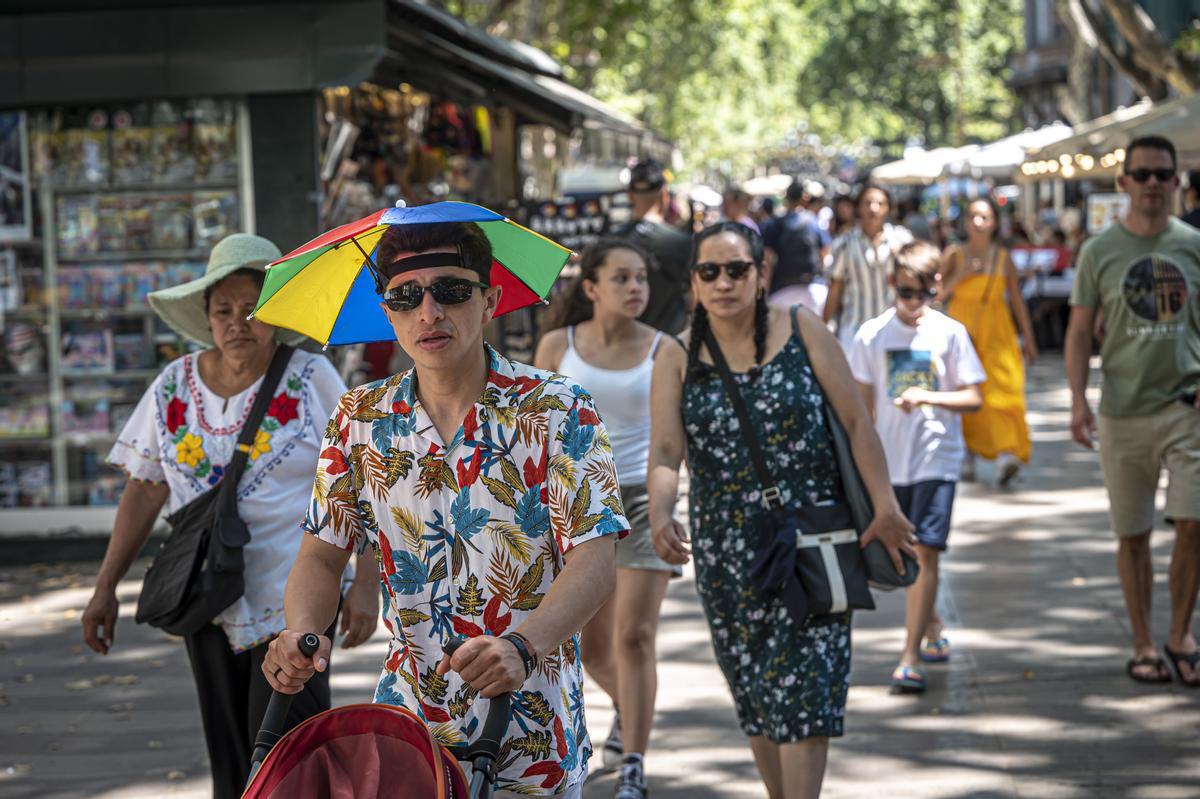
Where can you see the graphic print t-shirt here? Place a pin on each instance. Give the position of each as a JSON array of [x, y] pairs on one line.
[[1141, 284], [890, 356]]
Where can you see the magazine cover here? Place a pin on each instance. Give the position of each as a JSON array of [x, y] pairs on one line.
[[24, 352], [87, 350], [86, 154], [106, 286], [24, 413], [139, 223], [16, 212], [131, 144], [140, 280], [77, 234], [173, 222], [215, 140], [110, 223], [33, 483], [130, 351], [171, 145], [215, 216], [10, 283], [73, 290]]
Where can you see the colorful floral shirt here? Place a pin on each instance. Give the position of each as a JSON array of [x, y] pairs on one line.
[[469, 535], [183, 434]]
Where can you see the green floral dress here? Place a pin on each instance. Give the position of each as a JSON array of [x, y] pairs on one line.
[[789, 680]]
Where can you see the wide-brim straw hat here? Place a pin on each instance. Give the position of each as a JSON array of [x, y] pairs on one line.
[[182, 307]]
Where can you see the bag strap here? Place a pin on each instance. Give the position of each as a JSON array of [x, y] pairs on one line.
[[266, 392], [771, 497]]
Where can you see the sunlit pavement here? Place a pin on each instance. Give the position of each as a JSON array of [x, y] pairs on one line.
[[1034, 703]]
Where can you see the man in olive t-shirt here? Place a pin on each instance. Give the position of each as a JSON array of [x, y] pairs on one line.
[[1140, 273]]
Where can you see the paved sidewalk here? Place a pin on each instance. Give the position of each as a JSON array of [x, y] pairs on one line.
[[1034, 703]]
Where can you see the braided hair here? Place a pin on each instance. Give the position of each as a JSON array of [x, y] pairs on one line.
[[699, 325]]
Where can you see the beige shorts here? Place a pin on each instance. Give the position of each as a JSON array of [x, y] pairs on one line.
[[1133, 452], [636, 550]]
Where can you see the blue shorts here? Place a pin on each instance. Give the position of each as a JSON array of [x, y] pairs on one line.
[[927, 505]]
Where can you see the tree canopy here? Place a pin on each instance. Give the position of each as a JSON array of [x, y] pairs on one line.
[[733, 80]]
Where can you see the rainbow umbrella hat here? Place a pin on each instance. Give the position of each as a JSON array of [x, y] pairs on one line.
[[326, 289]]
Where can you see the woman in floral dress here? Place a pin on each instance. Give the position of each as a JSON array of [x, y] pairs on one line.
[[174, 448], [788, 676]]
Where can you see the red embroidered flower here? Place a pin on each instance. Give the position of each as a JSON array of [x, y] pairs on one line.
[[283, 408], [176, 414]]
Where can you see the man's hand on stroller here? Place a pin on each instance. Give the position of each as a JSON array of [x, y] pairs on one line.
[[286, 667], [490, 665]]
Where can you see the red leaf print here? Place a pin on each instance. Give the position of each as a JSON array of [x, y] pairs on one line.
[[493, 622], [553, 772], [434, 714], [588, 417], [535, 474], [389, 563], [401, 407], [337, 461], [464, 627], [283, 408], [560, 737], [499, 380], [467, 475], [176, 414], [394, 660], [527, 384], [470, 425]]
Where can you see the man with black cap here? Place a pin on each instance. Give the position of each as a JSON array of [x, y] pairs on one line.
[[667, 309]]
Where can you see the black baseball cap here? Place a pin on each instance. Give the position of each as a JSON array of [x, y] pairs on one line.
[[647, 175]]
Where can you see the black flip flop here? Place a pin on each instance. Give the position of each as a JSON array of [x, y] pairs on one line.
[[1192, 659], [1153, 661]]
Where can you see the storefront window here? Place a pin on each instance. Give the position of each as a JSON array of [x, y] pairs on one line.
[[130, 199]]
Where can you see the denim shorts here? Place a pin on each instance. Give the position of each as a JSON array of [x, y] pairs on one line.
[[927, 505], [636, 550]]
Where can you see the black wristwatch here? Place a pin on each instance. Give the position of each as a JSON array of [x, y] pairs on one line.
[[521, 643]]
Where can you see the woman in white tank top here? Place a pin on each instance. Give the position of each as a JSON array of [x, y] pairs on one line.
[[595, 338]]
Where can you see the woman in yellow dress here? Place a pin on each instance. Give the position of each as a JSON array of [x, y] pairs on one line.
[[979, 283]]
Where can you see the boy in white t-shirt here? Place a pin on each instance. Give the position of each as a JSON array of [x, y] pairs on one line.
[[918, 371]]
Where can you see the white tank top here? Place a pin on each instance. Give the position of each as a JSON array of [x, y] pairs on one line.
[[623, 399]]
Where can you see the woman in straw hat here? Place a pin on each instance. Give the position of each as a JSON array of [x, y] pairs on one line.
[[175, 447]]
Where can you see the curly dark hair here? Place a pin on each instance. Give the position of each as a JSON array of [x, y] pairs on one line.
[[576, 307], [470, 240], [699, 326]]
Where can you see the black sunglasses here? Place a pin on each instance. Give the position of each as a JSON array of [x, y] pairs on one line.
[[708, 271], [1141, 175], [445, 291], [909, 293]]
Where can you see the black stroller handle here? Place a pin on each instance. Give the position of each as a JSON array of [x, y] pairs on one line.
[[274, 724], [482, 754]]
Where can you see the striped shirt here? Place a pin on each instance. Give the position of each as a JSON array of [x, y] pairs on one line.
[[864, 271]]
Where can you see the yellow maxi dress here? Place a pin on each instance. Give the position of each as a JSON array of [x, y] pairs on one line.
[[999, 426]]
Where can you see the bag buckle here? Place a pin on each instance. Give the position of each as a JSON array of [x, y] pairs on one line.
[[772, 495]]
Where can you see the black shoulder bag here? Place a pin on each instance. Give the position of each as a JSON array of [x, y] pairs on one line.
[[199, 570]]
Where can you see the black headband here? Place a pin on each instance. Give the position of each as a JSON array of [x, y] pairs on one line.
[[425, 260]]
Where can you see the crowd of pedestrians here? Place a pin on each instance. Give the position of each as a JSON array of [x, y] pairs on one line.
[[531, 508]]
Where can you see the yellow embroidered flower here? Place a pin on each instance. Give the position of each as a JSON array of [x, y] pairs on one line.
[[190, 450], [262, 444]]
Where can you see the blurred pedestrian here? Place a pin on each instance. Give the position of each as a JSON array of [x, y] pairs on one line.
[[650, 197], [981, 290], [862, 261], [796, 247], [845, 214], [488, 491], [735, 206], [918, 372], [1139, 273], [764, 212], [1191, 200], [596, 340], [788, 676], [175, 448]]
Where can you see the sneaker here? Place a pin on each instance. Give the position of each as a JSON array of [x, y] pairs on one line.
[[1010, 467], [631, 782], [614, 746]]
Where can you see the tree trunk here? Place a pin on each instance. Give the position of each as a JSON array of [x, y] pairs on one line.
[[1149, 49], [1092, 28]]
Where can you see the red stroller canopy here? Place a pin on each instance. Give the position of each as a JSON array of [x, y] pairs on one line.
[[358, 752]]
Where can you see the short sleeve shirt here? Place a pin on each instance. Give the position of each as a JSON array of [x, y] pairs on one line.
[[182, 434], [469, 535], [891, 356], [1142, 285], [863, 271]]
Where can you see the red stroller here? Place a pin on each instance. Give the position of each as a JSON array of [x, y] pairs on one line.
[[363, 751]]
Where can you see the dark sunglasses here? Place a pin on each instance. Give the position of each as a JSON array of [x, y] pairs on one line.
[[1142, 175], [445, 291], [909, 293], [708, 271]]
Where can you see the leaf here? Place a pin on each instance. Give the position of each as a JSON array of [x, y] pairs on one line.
[[375, 472], [435, 474], [528, 597], [603, 472], [501, 490], [532, 516], [411, 573], [470, 597], [458, 552], [503, 578], [398, 463], [468, 521], [562, 469], [439, 571], [447, 733], [535, 745], [613, 503], [512, 475], [434, 686], [410, 617], [410, 528], [512, 539], [494, 622], [468, 628], [552, 771], [576, 437], [535, 707]]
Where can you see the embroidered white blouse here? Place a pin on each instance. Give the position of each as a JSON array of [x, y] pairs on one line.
[[183, 434]]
